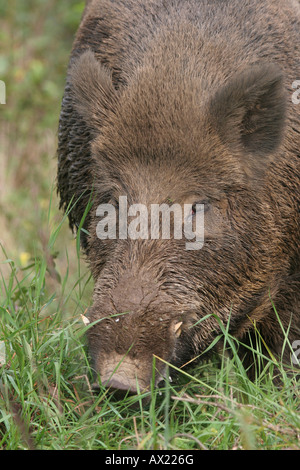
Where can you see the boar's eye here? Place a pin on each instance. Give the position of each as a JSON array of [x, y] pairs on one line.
[[205, 203]]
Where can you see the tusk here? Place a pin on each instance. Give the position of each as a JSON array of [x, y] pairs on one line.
[[85, 320], [177, 329]]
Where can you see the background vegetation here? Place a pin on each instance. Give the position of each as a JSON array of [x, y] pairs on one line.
[[35, 40], [46, 400]]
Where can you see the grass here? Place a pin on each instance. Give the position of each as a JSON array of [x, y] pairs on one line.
[[46, 401]]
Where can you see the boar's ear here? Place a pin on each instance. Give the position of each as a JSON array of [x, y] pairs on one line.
[[249, 114], [92, 90]]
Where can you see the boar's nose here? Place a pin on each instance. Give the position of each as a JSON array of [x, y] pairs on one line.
[[118, 388], [123, 375], [121, 386]]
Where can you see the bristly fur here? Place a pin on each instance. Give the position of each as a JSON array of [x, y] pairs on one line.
[[188, 101]]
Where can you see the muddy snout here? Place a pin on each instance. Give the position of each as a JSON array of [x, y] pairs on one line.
[[134, 336], [139, 361]]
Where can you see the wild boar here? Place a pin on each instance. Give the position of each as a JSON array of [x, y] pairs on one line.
[[186, 102]]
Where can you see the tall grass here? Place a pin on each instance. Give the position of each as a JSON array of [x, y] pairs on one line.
[[46, 399]]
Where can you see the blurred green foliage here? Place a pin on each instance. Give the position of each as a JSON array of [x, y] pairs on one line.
[[36, 38]]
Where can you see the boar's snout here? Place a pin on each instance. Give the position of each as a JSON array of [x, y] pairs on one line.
[[128, 357], [133, 324], [124, 376], [128, 368]]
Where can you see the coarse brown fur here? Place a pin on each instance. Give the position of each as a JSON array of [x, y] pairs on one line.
[[186, 101]]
